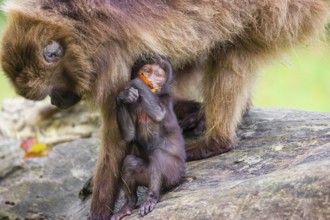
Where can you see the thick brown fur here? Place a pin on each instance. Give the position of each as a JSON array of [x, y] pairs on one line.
[[226, 40]]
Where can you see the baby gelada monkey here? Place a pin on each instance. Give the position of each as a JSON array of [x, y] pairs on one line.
[[148, 124]]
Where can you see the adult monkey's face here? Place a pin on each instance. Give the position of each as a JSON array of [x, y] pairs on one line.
[[42, 57]]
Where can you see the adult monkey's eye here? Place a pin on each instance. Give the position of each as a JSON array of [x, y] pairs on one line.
[[53, 51]]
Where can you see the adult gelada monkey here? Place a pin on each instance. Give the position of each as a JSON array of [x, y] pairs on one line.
[[147, 121], [84, 49]]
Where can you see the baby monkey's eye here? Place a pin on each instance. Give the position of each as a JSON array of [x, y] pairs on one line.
[[158, 73], [53, 51]]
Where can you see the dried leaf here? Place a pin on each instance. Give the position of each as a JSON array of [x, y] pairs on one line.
[[33, 148]]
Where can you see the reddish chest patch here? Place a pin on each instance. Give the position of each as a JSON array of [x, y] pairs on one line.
[[143, 117]]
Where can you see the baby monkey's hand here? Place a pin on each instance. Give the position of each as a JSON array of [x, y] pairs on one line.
[[129, 95]]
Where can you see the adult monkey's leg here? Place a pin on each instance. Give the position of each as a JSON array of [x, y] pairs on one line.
[[107, 178], [228, 83]]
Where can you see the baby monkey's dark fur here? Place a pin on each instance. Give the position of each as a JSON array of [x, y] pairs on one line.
[[147, 120]]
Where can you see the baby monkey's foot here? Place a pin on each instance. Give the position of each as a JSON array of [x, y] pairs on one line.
[[148, 205], [125, 211]]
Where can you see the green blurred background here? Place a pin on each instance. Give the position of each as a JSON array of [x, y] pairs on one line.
[[5, 89], [299, 80]]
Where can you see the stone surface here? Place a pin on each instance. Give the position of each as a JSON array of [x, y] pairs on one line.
[[279, 170], [48, 187]]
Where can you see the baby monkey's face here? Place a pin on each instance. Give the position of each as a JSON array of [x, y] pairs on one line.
[[155, 74]]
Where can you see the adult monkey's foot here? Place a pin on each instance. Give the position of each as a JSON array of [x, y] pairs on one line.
[[207, 148]]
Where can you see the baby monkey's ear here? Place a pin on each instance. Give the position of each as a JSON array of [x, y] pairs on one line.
[[53, 51]]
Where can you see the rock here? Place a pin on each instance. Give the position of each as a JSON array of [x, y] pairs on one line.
[[48, 188], [280, 170], [10, 157]]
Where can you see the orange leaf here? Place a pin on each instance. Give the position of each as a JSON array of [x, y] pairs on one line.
[[33, 148]]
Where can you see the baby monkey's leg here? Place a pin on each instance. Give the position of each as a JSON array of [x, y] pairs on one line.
[[134, 173], [165, 171]]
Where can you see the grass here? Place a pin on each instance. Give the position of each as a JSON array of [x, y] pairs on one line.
[[301, 80], [6, 90]]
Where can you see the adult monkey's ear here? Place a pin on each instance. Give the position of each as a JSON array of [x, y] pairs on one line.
[[53, 51]]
